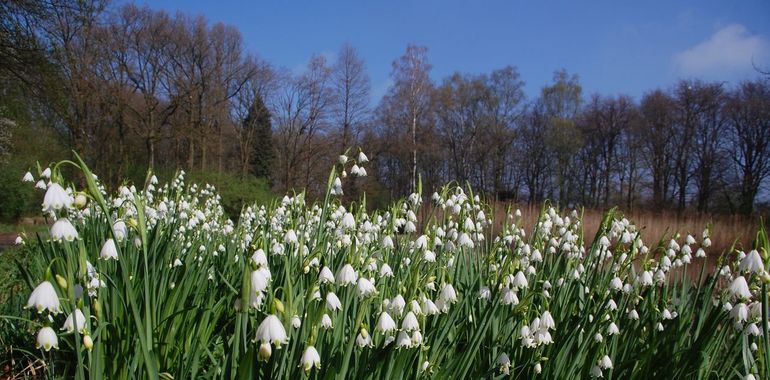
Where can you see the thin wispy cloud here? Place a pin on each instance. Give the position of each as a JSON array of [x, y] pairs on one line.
[[730, 50]]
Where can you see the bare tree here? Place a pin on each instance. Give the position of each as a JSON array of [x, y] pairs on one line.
[[535, 161], [142, 50], [507, 113], [560, 104], [74, 96], [657, 138], [351, 95], [462, 107], [605, 121], [708, 145], [301, 114], [411, 81], [748, 112]]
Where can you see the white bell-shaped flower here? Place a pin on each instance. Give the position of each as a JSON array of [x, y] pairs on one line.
[[79, 320], [333, 302], [62, 229], [109, 250], [410, 322], [56, 198], [310, 359], [120, 230], [271, 331], [365, 288], [326, 321], [325, 276], [403, 340], [44, 297], [739, 288], [386, 271], [605, 362], [346, 275], [752, 263], [47, 339], [385, 323]]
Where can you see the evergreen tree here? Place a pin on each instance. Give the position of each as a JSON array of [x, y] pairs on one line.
[[258, 122]]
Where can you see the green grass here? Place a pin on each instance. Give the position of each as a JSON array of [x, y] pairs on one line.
[[29, 229]]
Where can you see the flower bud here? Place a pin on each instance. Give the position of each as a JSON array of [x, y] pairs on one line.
[[278, 305], [764, 276], [265, 351], [61, 281], [88, 343], [80, 200], [97, 308]]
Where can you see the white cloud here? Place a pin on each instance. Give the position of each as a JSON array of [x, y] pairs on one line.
[[730, 50]]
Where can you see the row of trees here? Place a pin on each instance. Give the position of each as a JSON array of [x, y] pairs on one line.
[[133, 87], [699, 145]]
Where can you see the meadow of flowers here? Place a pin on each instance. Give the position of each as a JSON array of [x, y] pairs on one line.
[[156, 282]]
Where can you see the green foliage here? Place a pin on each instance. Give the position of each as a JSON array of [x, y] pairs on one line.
[[24, 143], [15, 196], [235, 191]]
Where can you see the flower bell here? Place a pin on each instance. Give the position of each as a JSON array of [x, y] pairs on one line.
[[46, 338], [326, 322], [403, 340], [346, 276], [410, 322], [752, 263], [364, 339], [504, 363], [78, 321], [348, 221], [44, 297], [739, 288], [109, 250], [365, 288], [385, 323], [120, 230], [333, 302], [310, 359], [448, 293], [56, 198], [271, 331], [326, 276]]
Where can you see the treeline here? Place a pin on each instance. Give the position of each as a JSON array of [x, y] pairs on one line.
[[132, 87]]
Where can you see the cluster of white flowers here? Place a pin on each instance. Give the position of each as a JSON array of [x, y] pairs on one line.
[[397, 270], [198, 212]]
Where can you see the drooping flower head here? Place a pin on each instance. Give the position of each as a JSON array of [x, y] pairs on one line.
[[44, 297], [56, 198], [62, 229], [46, 338], [310, 359], [271, 331]]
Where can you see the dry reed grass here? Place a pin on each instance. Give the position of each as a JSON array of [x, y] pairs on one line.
[[726, 230]]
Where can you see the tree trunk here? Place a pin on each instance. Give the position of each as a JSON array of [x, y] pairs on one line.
[[414, 152]]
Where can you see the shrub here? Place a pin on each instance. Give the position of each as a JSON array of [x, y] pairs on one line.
[[15, 196]]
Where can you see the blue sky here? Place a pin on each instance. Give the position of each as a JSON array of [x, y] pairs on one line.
[[615, 47]]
